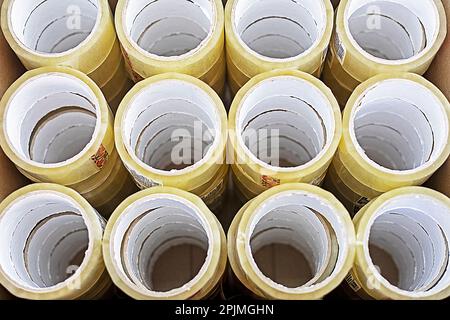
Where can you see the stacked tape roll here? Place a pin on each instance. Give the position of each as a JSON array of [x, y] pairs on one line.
[[293, 242], [173, 36], [72, 33], [275, 34], [403, 246], [373, 37], [51, 241], [171, 130], [285, 126], [164, 243], [55, 126], [396, 134]]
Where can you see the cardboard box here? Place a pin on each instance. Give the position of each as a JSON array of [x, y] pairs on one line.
[[439, 74]]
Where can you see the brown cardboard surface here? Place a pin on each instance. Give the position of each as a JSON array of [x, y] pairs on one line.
[[10, 70], [113, 4], [439, 74]]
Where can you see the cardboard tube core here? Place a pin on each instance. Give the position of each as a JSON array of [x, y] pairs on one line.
[[399, 125], [53, 26], [279, 29], [169, 28], [164, 244], [45, 240], [52, 118], [171, 126], [309, 239], [392, 30], [285, 122], [413, 231]]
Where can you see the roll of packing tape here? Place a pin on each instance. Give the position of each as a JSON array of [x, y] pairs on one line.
[[293, 242], [51, 242], [171, 130], [285, 127], [214, 193], [396, 134], [267, 35], [373, 37], [403, 246], [56, 125], [164, 243], [170, 36], [77, 34]]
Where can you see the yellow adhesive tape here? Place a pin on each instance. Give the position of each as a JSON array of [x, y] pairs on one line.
[[267, 35], [189, 224], [109, 188], [218, 82], [148, 32], [276, 210], [107, 69], [156, 116], [396, 134], [384, 231], [373, 37], [233, 85], [217, 67], [48, 236], [340, 93], [48, 110], [301, 136], [114, 85], [78, 34], [234, 72], [115, 101], [215, 192]]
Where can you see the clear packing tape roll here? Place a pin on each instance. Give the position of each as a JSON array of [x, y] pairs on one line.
[[375, 37], [58, 252], [56, 127], [396, 134], [285, 127], [171, 130], [78, 34], [402, 248], [267, 35], [275, 254], [164, 243], [171, 36]]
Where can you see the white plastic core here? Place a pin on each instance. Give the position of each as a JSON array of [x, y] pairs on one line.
[[392, 29], [285, 122], [171, 126], [399, 125], [301, 225], [53, 26], [162, 245], [169, 28], [44, 240], [414, 232], [279, 29], [51, 119]]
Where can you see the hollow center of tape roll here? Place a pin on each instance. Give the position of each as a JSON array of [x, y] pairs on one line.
[[296, 241], [285, 122], [279, 29], [163, 244], [44, 239], [392, 30], [171, 125], [400, 125], [51, 118], [53, 26], [408, 243], [169, 28]]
